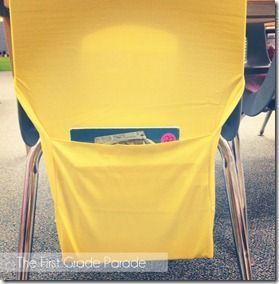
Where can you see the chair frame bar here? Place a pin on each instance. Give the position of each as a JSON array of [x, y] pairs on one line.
[[28, 209], [236, 194]]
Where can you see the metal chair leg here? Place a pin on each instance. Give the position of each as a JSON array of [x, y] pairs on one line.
[[28, 210], [27, 148], [235, 147], [236, 195], [267, 117]]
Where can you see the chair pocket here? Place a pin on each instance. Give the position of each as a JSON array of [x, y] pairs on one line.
[[135, 198]]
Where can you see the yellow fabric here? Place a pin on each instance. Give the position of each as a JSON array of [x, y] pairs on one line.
[[123, 63]]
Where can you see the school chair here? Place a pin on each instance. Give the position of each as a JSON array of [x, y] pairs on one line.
[[263, 100], [259, 95], [122, 63]]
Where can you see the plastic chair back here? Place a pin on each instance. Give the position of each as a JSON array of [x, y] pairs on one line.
[[231, 126], [28, 131], [257, 55], [255, 103]]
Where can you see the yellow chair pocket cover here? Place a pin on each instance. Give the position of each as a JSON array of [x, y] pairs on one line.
[[122, 63]]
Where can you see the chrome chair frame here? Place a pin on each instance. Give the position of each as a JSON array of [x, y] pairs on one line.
[[235, 186], [230, 152], [28, 209]]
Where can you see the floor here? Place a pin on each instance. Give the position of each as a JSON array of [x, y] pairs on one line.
[[259, 166]]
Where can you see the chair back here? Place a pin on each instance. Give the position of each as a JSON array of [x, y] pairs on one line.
[[231, 126], [257, 55], [28, 131], [255, 103]]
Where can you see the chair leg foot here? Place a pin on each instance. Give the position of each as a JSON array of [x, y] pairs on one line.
[[237, 203], [267, 117], [28, 210]]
